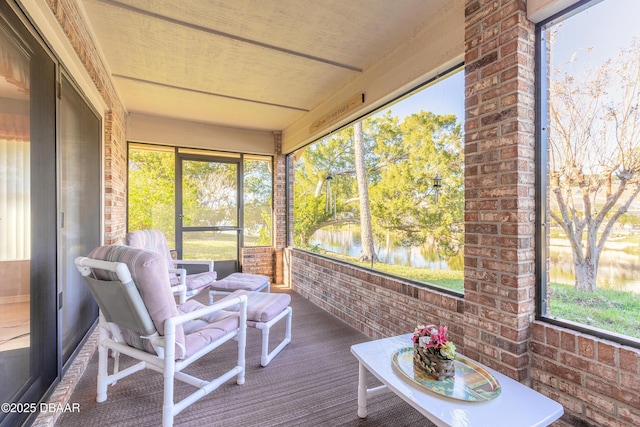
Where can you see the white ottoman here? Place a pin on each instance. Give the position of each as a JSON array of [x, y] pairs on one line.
[[263, 311]]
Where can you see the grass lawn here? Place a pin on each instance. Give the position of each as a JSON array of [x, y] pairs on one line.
[[615, 311]]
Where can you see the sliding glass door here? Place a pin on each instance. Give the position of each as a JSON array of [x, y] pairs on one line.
[[79, 213], [28, 357], [15, 219]]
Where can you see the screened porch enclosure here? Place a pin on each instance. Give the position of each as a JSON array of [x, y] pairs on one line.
[[210, 205], [232, 130]]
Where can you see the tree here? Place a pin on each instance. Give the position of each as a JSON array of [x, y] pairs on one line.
[[401, 161], [403, 202], [594, 156], [326, 164], [258, 191], [151, 191], [368, 250]]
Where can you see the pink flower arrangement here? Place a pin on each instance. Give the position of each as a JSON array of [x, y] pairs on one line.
[[434, 340]]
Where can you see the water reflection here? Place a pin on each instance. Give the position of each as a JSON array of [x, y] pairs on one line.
[[617, 269], [348, 242]]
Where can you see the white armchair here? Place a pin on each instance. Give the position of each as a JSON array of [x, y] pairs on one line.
[[139, 318]]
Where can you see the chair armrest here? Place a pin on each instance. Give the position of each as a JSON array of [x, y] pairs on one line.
[[182, 318], [181, 273], [171, 323], [209, 263], [180, 289]]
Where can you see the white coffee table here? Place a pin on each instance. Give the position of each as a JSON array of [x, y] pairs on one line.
[[517, 404]]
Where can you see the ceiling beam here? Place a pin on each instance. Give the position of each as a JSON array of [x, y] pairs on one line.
[[254, 101], [230, 36]]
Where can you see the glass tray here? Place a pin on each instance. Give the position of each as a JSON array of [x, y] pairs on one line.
[[471, 382]]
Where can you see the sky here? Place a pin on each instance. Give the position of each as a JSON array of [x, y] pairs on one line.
[[444, 97], [604, 29]]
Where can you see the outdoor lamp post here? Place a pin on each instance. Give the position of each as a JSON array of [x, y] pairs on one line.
[[437, 183]]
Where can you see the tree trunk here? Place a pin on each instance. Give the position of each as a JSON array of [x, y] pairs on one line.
[[368, 251], [586, 275]]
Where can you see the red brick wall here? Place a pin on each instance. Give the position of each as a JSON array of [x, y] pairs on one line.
[[279, 209], [597, 381], [115, 144], [372, 303], [258, 260]]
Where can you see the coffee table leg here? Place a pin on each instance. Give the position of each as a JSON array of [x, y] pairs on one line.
[[362, 391]]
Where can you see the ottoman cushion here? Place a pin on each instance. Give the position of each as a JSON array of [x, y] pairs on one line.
[[262, 307], [244, 281]]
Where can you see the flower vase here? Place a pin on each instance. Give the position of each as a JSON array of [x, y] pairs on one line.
[[440, 369]]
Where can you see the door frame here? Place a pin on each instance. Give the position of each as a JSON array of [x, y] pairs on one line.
[[223, 267]]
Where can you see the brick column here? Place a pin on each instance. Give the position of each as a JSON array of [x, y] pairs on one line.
[[115, 199], [279, 208], [499, 180]]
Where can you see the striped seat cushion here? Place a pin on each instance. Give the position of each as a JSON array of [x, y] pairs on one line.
[[206, 329], [262, 307], [244, 281], [198, 281]]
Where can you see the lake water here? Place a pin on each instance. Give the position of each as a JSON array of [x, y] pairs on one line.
[[348, 242], [617, 269]]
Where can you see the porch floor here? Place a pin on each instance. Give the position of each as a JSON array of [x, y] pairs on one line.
[[312, 382]]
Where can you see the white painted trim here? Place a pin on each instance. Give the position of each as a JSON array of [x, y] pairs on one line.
[[539, 10]]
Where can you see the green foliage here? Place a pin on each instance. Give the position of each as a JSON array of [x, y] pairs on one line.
[[258, 195], [402, 160], [151, 191], [265, 232], [309, 215], [209, 193]]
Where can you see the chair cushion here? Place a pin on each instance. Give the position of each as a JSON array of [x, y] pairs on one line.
[[262, 307], [149, 273], [198, 281], [244, 281], [151, 240], [202, 331]]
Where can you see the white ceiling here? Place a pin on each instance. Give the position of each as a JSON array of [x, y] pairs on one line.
[[245, 63]]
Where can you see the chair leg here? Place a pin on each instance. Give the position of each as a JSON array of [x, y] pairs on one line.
[[169, 373], [266, 357], [167, 406], [242, 345], [103, 359]]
